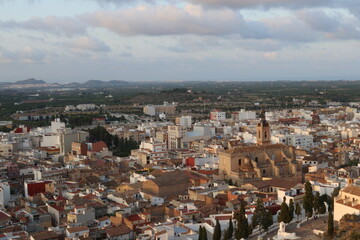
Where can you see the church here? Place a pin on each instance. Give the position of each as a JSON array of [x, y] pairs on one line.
[[261, 161]]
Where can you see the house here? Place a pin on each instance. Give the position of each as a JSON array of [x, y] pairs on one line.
[[76, 232], [179, 184], [45, 235], [121, 232], [347, 202], [136, 220]]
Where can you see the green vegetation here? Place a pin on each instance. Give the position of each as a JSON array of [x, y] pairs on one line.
[[298, 209], [121, 147], [292, 208], [330, 229], [284, 215], [308, 201], [200, 233], [81, 119], [261, 217], [203, 97], [230, 230], [217, 231], [5, 129], [242, 229]]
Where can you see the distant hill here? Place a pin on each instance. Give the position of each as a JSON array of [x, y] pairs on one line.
[[30, 81], [4, 83], [100, 83]]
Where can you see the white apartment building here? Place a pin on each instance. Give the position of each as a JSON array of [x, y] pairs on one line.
[[203, 130], [175, 135], [217, 115], [185, 121], [166, 108], [246, 115], [4, 193], [86, 107], [153, 146], [304, 141]]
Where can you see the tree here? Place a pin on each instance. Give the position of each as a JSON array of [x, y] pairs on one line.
[[291, 208], [336, 191], [242, 229], [226, 235], [217, 231], [284, 215], [204, 234], [261, 216], [200, 233], [317, 202], [298, 210], [330, 231], [322, 208], [267, 221], [308, 200], [230, 229]]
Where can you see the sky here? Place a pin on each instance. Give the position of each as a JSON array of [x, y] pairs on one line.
[[179, 40]]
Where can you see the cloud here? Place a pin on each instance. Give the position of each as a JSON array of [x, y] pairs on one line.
[[87, 44], [125, 54], [65, 26], [220, 25], [334, 26], [26, 55], [271, 55], [172, 20], [122, 2], [287, 4]]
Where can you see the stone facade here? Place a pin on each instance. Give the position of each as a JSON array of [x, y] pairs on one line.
[[264, 160]]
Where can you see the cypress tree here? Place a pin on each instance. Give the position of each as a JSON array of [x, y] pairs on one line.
[[230, 229], [242, 230], [204, 234], [261, 216], [317, 202], [200, 233], [298, 210], [330, 231], [226, 235], [292, 209], [308, 200], [284, 215], [217, 231], [267, 220]]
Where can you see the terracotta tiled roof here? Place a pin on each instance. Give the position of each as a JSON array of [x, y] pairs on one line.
[[77, 229], [352, 190], [253, 148], [117, 231], [171, 178], [134, 217], [281, 183], [44, 235], [98, 146]]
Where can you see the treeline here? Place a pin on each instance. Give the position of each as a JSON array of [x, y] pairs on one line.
[[80, 119], [120, 147]]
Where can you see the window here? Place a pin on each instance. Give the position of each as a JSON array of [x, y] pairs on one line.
[[239, 161], [256, 159], [264, 171]]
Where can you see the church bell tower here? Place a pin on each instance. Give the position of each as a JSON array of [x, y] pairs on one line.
[[263, 135]]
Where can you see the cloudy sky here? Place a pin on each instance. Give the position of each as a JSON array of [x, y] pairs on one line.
[[171, 40]]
